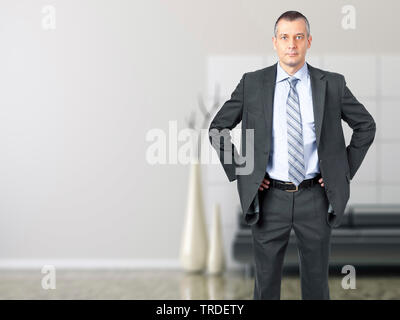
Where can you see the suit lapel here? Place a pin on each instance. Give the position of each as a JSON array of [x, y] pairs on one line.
[[318, 89], [268, 92]]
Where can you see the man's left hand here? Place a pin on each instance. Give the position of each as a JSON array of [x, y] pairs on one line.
[[321, 181]]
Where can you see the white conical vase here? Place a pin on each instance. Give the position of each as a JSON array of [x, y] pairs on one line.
[[216, 257], [194, 246]]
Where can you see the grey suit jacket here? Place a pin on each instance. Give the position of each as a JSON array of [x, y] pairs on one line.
[[251, 103]]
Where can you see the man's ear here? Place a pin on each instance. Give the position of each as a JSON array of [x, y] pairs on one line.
[[309, 40], [273, 43]]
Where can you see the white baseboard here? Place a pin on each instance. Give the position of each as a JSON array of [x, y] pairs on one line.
[[134, 264]]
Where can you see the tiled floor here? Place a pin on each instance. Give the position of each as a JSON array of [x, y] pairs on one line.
[[176, 285]]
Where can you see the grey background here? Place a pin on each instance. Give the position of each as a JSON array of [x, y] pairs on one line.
[[76, 104]]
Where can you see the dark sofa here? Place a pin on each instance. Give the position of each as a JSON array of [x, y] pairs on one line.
[[369, 235]]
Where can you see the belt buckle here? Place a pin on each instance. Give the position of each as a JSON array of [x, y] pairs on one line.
[[297, 187]]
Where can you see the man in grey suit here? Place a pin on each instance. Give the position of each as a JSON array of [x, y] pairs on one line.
[[302, 167]]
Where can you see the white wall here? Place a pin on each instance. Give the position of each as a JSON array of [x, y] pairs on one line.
[[76, 104]]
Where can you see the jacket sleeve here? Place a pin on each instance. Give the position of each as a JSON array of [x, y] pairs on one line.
[[363, 125], [225, 120]]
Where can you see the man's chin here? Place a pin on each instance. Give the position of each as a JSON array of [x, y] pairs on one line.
[[292, 62]]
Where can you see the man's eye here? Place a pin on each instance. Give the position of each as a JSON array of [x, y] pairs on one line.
[[299, 37], [283, 37]]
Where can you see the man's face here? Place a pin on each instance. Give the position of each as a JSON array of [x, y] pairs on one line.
[[291, 42]]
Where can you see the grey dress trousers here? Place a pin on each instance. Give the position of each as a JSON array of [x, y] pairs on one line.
[[305, 211]]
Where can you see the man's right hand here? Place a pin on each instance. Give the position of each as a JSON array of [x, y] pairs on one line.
[[264, 185]]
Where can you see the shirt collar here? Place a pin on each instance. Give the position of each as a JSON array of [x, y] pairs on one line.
[[301, 74]]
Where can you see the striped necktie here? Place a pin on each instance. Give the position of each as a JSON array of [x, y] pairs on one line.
[[294, 135]]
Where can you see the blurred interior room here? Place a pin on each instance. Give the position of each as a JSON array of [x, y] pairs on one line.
[[89, 88]]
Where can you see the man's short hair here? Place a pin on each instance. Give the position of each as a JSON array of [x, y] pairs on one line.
[[291, 16]]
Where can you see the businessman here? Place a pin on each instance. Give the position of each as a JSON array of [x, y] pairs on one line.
[[302, 167]]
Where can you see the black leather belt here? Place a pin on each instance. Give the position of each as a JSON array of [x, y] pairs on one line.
[[290, 186]]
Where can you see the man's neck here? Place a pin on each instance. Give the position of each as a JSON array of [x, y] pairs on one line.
[[291, 70]]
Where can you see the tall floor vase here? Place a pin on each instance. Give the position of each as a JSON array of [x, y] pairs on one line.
[[194, 245]]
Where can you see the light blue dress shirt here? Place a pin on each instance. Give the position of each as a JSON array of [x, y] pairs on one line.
[[278, 167]]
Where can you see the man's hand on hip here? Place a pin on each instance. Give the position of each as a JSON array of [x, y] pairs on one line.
[[264, 185]]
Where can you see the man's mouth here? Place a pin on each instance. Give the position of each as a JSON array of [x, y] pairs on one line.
[[292, 54]]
